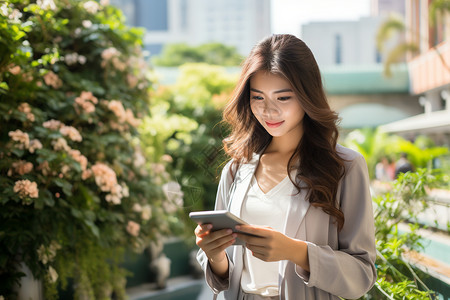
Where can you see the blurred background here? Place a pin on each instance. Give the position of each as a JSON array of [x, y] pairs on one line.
[[170, 66]]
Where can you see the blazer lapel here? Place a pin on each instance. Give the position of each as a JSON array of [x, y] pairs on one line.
[[242, 183]]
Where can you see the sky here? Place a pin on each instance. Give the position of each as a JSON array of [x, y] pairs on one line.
[[288, 15]]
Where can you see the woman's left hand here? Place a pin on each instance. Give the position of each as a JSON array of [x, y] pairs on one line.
[[272, 245]]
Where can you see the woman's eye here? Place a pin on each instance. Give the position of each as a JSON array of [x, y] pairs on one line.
[[257, 98], [284, 98]]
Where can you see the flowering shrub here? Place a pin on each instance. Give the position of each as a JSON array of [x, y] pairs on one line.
[[75, 190]]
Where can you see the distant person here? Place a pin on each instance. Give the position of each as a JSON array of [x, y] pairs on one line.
[[403, 165], [382, 170], [306, 197]]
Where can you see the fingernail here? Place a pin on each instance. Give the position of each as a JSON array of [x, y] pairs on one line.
[[238, 227], [229, 231], [209, 226]]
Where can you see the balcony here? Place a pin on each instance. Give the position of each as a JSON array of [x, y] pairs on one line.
[[431, 69]]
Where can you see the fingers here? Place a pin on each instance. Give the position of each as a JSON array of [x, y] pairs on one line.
[[214, 241]]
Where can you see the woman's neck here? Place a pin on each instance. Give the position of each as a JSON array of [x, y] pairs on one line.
[[285, 144]]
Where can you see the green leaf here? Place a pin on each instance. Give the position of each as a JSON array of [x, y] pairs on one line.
[[4, 86], [64, 185]]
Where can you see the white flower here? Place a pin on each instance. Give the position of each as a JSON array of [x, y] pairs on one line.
[[82, 59], [71, 58], [4, 9], [91, 7], [53, 276], [46, 4], [174, 195], [137, 207], [146, 212], [86, 23]]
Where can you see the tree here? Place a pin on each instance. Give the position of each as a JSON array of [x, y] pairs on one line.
[[174, 55]]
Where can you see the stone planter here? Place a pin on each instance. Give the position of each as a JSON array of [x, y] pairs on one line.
[[30, 287]]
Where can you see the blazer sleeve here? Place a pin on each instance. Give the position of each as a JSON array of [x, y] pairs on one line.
[[349, 271], [214, 282]]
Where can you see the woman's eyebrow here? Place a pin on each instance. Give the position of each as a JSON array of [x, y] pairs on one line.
[[276, 92], [256, 91]]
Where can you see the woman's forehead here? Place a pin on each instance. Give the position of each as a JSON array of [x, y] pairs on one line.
[[265, 81]]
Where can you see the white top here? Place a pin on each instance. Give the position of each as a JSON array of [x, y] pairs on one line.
[[270, 209]]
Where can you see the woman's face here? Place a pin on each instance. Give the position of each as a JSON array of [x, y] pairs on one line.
[[275, 105]]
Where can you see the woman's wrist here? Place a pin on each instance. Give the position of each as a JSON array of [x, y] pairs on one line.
[[300, 255], [219, 266]]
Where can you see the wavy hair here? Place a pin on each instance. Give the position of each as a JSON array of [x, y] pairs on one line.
[[320, 167]]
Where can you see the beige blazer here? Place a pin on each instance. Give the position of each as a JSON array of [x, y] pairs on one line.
[[342, 264]]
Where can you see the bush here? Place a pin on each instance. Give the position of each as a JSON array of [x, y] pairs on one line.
[[397, 279], [76, 190]]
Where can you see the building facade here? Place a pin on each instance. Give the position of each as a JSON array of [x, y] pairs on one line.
[[343, 42], [429, 71], [238, 23]]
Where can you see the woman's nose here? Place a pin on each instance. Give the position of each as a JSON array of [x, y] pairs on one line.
[[270, 108]]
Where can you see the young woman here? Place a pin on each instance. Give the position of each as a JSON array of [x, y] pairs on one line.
[[306, 196]]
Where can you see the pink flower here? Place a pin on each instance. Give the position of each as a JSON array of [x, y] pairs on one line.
[[71, 132], [86, 174], [86, 102], [80, 158], [109, 53], [13, 69], [131, 119], [51, 79], [44, 168], [117, 108], [26, 109], [106, 180], [60, 144], [26, 188], [132, 80], [34, 145], [105, 177], [167, 158], [21, 137], [53, 124], [21, 167], [133, 228]]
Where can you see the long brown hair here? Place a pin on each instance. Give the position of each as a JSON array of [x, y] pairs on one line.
[[320, 168]]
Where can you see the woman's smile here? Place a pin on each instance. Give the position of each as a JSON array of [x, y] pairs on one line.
[[272, 124]]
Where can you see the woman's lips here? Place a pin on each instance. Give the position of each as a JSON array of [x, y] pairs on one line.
[[274, 124]]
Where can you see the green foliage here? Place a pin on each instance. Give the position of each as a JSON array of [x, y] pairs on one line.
[[374, 144], [397, 279], [438, 9], [186, 120], [75, 190], [174, 55], [370, 143]]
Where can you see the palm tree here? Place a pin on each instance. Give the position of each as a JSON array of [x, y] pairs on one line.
[[395, 25]]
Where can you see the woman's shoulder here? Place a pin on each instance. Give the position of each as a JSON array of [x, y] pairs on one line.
[[349, 156]]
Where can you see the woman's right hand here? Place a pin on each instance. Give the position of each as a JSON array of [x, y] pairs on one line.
[[214, 243]]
